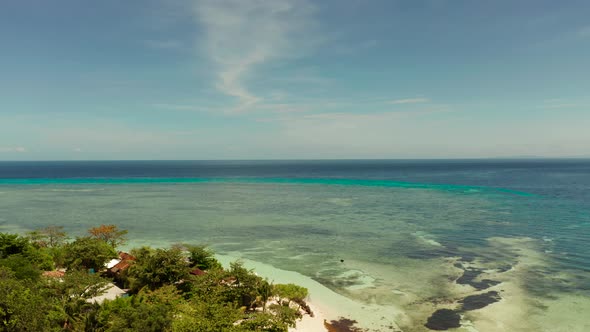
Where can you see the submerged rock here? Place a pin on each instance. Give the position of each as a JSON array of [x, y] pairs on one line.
[[443, 319], [469, 276], [474, 302]]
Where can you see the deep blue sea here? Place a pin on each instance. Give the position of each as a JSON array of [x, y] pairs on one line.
[[524, 223]]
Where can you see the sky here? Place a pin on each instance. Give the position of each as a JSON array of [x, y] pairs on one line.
[[293, 79]]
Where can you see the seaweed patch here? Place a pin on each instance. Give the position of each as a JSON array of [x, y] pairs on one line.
[[444, 319], [469, 276], [474, 302]]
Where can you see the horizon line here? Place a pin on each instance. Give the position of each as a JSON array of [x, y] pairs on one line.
[[314, 159]]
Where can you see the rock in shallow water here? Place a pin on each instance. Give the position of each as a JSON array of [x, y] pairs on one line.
[[443, 319], [474, 302], [469, 276]]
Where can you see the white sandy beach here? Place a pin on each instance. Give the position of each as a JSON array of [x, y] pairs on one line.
[[311, 324], [325, 303]]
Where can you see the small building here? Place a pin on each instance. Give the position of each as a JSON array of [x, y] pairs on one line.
[[110, 292], [109, 265], [116, 266]]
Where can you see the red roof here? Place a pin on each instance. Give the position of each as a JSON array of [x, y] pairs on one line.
[[122, 265], [54, 274], [125, 262], [125, 256], [197, 272]]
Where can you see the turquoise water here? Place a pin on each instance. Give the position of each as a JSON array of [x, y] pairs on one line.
[[401, 243], [331, 181]]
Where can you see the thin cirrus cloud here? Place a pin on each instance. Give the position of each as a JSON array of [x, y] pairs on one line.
[[409, 101], [242, 36], [180, 107], [558, 104], [15, 149]]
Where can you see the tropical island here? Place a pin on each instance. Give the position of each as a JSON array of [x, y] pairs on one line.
[[49, 282]]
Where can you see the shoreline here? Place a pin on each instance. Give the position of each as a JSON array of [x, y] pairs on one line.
[[311, 324], [326, 304]]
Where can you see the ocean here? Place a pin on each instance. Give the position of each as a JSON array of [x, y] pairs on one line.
[[501, 244]]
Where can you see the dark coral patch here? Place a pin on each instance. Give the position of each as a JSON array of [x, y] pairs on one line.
[[474, 302], [443, 319], [469, 276]]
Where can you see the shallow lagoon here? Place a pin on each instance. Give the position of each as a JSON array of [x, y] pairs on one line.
[[400, 248]]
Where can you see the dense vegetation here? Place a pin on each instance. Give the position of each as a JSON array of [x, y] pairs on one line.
[[163, 294]]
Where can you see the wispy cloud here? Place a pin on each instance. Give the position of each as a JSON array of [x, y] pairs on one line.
[[15, 149], [181, 107], [242, 35], [409, 101], [558, 103]]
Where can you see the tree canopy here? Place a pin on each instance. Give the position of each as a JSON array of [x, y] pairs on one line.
[[156, 268], [164, 295], [50, 236], [88, 253], [110, 234], [201, 257]]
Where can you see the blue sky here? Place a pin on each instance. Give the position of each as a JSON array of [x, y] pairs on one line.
[[274, 79]]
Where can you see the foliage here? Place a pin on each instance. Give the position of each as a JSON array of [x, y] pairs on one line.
[[206, 316], [146, 311], [78, 285], [284, 316], [57, 254], [22, 307], [72, 294], [248, 288], [261, 322], [110, 234], [156, 268], [165, 296], [49, 237], [88, 253], [12, 244], [21, 266], [50, 241], [290, 292], [201, 257]]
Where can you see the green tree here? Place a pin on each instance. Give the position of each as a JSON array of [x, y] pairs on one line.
[[88, 253], [248, 289], [156, 268], [22, 307], [13, 244], [22, 267], [284, 316], [146, 311], [278, 319], [206, 315], [290, 292], [50, 241], [201, 257], [72, 295]]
